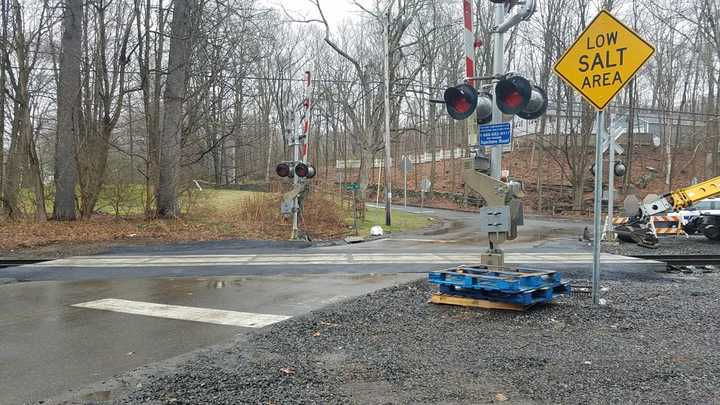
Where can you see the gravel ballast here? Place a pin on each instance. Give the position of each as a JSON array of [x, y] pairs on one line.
[[654, 342], [668, 245]]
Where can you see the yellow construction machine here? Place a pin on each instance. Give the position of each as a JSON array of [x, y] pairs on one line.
[[638, 230]]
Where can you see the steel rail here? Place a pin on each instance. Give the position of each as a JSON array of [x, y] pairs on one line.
[[12, 262]]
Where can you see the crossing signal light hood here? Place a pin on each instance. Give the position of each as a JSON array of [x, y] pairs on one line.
[[303, 170], [536, 106], [284, 169], [512, 94], [460, 101]]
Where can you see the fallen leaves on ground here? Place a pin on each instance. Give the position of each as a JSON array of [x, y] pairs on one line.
[[257, 217]]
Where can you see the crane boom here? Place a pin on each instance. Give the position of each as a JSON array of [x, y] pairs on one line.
[[681, 198]]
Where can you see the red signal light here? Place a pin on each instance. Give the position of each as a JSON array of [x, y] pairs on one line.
[[304, 170], [283, 169], [514, 99], [513, 94], [460, 101], [461, 105], [301, 170]]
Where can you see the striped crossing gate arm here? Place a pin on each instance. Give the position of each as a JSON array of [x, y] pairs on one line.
[[306, 116], [469, 40]]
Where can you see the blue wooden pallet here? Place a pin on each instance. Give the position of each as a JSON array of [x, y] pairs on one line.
[[484, 278], [527, 298]]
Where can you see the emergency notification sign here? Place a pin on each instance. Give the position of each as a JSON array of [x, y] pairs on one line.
[[603, 59]]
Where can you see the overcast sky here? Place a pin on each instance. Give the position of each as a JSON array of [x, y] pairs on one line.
[[336, 11]]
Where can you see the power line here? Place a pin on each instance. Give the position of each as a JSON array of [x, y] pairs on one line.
[[378, 82], [226, 76]]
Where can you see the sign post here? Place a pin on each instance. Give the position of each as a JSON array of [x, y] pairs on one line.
[[424, 188], [598, 65], [406, 165], [597, 214]]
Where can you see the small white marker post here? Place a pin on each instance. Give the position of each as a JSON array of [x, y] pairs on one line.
[[404, 167]]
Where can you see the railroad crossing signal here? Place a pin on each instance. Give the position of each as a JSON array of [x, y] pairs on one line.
[[619, 169], [513, 95], [603, 59], [291, 169]]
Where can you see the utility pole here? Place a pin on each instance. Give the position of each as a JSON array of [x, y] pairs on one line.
[[388, 165], [498, 69]]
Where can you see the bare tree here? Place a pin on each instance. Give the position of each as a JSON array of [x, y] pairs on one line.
[[150, 66], [23, 165], [3, 81], [68, 111], [174, 97]]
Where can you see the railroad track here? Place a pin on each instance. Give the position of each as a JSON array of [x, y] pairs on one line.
[[10, 262], [684, 260]]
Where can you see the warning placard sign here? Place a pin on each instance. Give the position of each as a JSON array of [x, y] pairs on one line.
[[603, 59]]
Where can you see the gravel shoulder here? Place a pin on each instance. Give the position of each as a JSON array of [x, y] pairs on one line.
[[655, 343], [681, 245]]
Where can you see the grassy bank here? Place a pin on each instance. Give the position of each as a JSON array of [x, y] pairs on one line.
[[402, 221]]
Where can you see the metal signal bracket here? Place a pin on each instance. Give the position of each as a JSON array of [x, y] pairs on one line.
[[526, 11]]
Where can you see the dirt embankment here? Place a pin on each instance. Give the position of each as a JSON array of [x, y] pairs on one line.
[[648, 177]]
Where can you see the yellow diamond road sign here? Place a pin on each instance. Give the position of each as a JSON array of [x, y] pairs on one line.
[[603, 58]]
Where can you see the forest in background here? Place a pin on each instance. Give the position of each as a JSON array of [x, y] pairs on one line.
[[107, 99]]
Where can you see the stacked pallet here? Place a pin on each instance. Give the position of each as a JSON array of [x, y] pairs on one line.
[[481, 286]]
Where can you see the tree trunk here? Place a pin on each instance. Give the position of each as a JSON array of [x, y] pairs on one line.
[[433, 148], [630, 136], [716, 124], [22, 149], [238, 129], [268, 132], [15, 166], [92, 168], [179, 54], [541, 162], [35, 175], [151, 96], [68, 112], [366, 164], [578, 191], [3, 77]]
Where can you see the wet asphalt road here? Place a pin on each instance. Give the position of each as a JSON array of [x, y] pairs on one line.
[[49, 347], [457, 238]]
